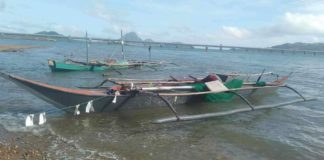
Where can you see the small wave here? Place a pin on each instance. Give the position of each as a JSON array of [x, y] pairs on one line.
[[15, 122], [69, 148]]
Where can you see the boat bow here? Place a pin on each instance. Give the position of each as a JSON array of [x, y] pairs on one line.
[[58, 96]]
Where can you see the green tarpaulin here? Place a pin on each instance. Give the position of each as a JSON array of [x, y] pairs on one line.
[[219, 97]]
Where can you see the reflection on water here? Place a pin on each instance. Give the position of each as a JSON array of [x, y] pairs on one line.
[[291, 132]]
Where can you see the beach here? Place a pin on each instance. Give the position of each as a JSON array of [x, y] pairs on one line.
[[16, 145]]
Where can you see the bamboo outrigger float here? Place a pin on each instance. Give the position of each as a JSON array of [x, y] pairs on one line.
[[102, 99]]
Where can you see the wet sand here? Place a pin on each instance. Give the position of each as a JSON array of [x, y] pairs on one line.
[[15, 48], [15, 145], [41, 146]]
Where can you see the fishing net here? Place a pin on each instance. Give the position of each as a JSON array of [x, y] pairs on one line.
[[219, 97], [260, 84]]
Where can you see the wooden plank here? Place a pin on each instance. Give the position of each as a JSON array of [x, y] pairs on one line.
[[151, 82], [229, 74], [216, 86], [167, 88], [208, 92]]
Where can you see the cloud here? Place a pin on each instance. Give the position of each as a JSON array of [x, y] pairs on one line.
[[309, 6], [182, 29], [101, 12], [66, 30], [18, 26], [190, 21], [12, 29], [294, 24], [236, 32], [174, 7], [297, 23], [2, 5], [291, 27], [113, 18], [31, 27]]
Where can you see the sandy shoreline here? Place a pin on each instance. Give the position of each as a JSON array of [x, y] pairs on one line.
[[15, 48], [21, 145], [39, 146]]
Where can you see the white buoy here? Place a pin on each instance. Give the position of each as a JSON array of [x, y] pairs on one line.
[[115, 98], [42, 118], [89, 107], [76, 111], [132, 86], [29, 120]]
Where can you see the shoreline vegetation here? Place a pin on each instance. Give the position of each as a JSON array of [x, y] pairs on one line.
[[15, 48]]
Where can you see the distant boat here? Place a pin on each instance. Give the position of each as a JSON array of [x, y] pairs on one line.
[[94, 65], [72, 65], [56, 66]]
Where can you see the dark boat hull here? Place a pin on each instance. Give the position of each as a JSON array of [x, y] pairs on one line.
[[65, 67], [66, 99]]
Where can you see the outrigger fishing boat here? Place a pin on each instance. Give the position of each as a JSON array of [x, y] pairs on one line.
[[95, 65], [213, 88]]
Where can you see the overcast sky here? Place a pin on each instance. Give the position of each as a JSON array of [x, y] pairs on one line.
[[259, 23]]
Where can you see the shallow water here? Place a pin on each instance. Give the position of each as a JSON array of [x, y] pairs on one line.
[[291, 132]]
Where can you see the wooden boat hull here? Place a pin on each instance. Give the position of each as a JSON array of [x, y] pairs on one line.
[[65, 67], [67, 98], [56, 66]]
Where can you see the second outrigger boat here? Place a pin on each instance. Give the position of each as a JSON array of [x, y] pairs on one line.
[[111, 64], [95, 65], [133, 93]]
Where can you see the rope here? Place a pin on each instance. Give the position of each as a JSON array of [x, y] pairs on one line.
[[58, 109]]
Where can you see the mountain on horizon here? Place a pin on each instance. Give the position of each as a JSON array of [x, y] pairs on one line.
[[301, 46], [51, 33], [148, 40], [131, 36]]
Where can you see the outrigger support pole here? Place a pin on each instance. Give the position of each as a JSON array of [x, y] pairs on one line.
[[133, 94], [244, 99], [224, 113], [293, 89], [106, 105], [180, 119], [171, 107], [166, 102]]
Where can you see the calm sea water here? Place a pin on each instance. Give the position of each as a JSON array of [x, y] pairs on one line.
[[291, 132]]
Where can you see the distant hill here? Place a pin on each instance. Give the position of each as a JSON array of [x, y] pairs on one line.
[[51, 33], [131, 36], [301, 46], [148, 40]]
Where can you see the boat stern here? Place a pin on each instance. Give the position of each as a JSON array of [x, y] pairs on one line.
[[51, 64]]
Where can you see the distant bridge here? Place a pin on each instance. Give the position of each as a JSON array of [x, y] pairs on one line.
[[206, 47]]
